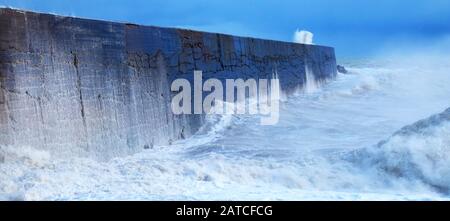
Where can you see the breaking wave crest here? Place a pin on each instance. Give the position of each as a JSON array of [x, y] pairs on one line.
[[418, 151]]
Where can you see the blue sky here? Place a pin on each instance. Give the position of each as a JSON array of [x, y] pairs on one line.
[[354, 28]]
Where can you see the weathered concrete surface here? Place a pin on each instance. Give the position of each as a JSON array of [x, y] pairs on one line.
[[103, 88]]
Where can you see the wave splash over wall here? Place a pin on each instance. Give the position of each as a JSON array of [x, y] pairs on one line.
[[303, 37]]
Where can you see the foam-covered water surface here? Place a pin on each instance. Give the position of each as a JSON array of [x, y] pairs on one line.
[[341, 141]]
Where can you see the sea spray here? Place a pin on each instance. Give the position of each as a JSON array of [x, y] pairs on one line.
[[303, 37]]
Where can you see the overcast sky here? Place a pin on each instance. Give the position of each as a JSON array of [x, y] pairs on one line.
[[354, 28]]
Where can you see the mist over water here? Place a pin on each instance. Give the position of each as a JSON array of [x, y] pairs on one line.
[[340, 141]]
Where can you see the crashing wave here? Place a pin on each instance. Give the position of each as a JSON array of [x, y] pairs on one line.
[[418, 151]]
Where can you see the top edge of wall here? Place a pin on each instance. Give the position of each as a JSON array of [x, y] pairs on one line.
[[22, 11]]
